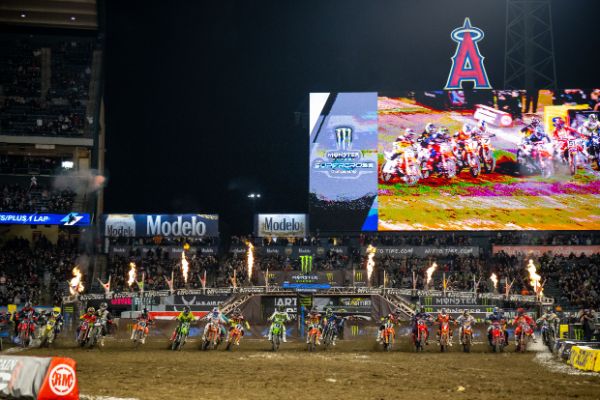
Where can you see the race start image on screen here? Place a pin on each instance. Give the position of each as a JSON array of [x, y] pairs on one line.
[[455, 160]]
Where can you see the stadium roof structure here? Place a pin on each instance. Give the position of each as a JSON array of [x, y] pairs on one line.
[[64, 14]]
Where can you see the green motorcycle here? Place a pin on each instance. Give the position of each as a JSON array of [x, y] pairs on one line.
[[276, 335], [181, 334]]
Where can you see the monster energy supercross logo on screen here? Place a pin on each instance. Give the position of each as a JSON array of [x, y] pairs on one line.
[[343, 138], [306, 264]]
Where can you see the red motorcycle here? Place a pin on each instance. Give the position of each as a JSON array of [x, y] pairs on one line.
[[443, 162], [26, 329], [420, 337], [498, 338]]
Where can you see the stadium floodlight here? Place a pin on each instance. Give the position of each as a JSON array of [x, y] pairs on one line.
[[23, 15], [254, 196], [67, 164]]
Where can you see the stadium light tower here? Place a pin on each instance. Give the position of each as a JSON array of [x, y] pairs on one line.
[[529, 48]]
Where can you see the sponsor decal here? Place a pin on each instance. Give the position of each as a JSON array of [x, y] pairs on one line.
[[61, 380], [281, 225], [71, 219], [306, 263]]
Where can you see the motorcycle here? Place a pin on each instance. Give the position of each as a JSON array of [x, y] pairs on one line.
[[420, 338], [468, 157], [486, 153], [313, 337], [276, 335], [443, 162], [388, 336], [212, 336], [84, 333], [467, 337], [547, 334], [235, 335], [402, 165], [444, 337], [594, 149], [329, 334], [48, 333], [94, 335], [498, 338], [540, 158], [26, 329], [140, 331], [180, 336], [522, 337]]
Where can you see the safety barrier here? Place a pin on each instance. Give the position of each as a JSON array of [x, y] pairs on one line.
[[38, 378], [585, 358]]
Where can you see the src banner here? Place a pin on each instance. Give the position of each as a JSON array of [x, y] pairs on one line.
[[170, 225], [424, 251], [455, 159], [71, 219]]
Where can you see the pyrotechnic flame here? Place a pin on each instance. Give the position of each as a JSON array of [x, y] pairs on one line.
[[250, 259], [185, 267], [430, 272], [534, 278], [494, 279], [370, 261], [75, 285], [131, 274]]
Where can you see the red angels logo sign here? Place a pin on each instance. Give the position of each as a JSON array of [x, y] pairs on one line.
[[62, 380], [467, 62]]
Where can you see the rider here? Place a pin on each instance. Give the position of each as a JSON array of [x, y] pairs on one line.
[[89, 317], [403, 142], [144, 316], [589, 130], [464, 320], [279, 316], [58, 319], [26, 312], [332, 318], [313, 320], [442, 317], [392, 318], [525, 319], [497, 316], [105, 319], [430, 129], [552, 318], [420, 316], [237, 318], [216, 317], [461, 137], [183, 317]]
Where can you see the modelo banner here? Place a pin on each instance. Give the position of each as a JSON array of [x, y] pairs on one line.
[[169, 225], [537, 251], [70, 219], [423, 251], [281, 225], [298, 251], [172, 251]]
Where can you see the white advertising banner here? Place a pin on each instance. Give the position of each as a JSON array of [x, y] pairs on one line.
[[281, 225]]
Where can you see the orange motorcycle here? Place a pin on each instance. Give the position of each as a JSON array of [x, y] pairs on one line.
[[313, 337], [388, 336]]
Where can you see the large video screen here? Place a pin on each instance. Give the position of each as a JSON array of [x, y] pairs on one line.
[[455, 160]]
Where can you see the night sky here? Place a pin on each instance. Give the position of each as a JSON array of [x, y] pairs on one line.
[[201, 98]]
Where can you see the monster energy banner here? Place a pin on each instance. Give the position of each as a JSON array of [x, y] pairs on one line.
[[306, 264], [453, 301], [423, 251], [305, 275], [479, 312]]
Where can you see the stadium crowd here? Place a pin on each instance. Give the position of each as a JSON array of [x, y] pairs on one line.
[[56, 107], [35, 197]]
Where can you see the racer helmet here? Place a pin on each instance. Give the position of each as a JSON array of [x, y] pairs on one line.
[[520, 311], [558, 122], [329, 311], [593, 118], [430, 128], [466, 313], [280, 308], [27, 305], [496, 310], [397, 311], [186, 310], [482, 127], [443, 311], [467, 129], [56, 312], [103, 306], [91, 310]]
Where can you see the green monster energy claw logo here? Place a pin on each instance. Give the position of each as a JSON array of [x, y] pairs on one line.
[[428, 301], [306, 264], [354, 330], [329, 276], [358, 276]]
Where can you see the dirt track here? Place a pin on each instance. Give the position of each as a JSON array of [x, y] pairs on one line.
[[353, 370]]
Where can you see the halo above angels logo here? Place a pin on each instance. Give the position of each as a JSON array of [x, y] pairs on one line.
[[467, 62]]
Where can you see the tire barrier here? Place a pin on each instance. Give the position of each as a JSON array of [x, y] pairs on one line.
[[38, 378]]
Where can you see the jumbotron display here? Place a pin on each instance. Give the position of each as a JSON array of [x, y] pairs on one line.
[[455, 160]]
